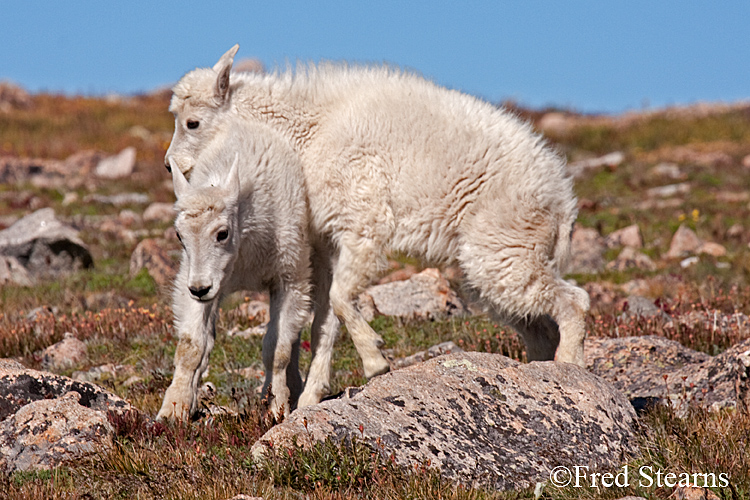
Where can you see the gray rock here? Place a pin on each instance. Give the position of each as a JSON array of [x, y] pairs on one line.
[[115, 167], [578, 168], [586, 251], [159, 212], [119, 199], [642, 307], [433, 352], [49, 432], [20, 386], [12, 272], [45, 246], [481, 419], [669, 190], [684, 242], [425, 295], [626, 237], [630, 258], [638, 366]]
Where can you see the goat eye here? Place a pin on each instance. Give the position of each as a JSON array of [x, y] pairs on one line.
[[192, 124], [178, 236], [222, 235]]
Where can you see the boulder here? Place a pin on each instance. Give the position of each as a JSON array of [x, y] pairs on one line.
[[150, 254], [46, 433], [48, 419], [653, 368], [117, 166], [482, 419], [20, 386], [425, 295], [44, 246]]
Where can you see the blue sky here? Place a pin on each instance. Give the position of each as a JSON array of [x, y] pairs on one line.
[[586, 55]]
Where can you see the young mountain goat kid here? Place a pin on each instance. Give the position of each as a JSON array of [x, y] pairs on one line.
[[393, 162], [243, 222]]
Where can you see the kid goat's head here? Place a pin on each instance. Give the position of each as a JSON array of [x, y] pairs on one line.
[[198, 100], [208, 227]]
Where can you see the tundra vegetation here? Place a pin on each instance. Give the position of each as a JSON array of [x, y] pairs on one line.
[[126, 319]]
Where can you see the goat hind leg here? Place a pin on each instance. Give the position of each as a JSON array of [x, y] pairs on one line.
[[351, 273]]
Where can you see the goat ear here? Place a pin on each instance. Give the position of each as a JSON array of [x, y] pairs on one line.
[[223, 68], [179, 182], [232, 183]]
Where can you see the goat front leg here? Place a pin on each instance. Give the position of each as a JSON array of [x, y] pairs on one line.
[[283, 384], [195, 323]]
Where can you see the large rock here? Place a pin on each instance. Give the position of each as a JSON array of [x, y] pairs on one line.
[[49, 432], [45, 246], [481, 419], [20, 386], [426, 295], [48, 419], [653, 368]]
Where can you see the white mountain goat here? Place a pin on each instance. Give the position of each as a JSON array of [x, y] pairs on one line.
[[393, 162], [243, 223]]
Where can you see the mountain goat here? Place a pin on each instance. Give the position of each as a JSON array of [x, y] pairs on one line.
[[243, 223], [393, 162]]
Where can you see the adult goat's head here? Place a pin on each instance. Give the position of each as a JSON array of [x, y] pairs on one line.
[[199, 100], [208, 226]]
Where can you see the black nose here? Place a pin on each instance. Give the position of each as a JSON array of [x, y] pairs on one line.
[[199, 291], [167, 165]]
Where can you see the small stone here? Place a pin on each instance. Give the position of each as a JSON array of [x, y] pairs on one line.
[[631, 258], [684, 242], [669, 190], [690, 261], [118, 166], [587, 250], [611, 160], [68, 352], [667, 171], [712, 249], [159, 212], [626, 237], [13, 272]]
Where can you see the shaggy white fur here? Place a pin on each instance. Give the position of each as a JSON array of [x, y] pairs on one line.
[[393, 162], [243, 223]]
